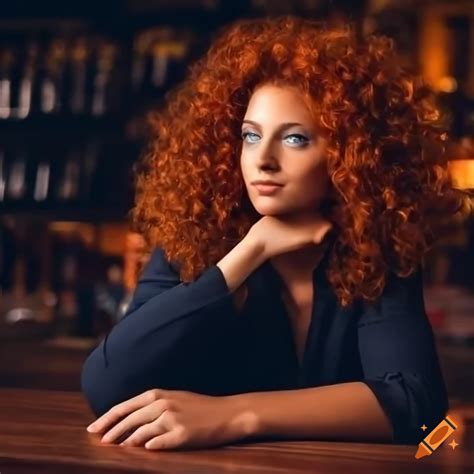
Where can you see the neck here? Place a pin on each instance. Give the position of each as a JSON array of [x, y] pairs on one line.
[[297, 266]]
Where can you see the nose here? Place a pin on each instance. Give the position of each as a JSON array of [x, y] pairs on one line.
[[267, 157]]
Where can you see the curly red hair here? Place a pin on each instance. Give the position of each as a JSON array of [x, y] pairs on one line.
[[385, 155]]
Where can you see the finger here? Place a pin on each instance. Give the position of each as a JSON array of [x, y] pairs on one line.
[[168, 440], [140, 417], [123, 409], [144, 434]]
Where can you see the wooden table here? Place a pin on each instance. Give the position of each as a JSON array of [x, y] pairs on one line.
[[44, 432]]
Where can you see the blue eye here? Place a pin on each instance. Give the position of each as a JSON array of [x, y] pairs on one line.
[[246, 134], [303, 142], [301, 139]]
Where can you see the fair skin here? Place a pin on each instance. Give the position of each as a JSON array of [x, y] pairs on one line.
[[291, 234]]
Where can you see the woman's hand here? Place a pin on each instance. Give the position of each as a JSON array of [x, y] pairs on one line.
[[167, 419], [282, 234]]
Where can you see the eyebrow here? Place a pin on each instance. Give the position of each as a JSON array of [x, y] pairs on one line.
[[281, 127]]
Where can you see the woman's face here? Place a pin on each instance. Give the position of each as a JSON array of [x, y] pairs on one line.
[[280, 144]]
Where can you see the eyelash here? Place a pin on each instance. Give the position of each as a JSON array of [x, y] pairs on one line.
[[306, 140]]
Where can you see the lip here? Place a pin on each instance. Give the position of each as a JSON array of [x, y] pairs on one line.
[[267, 189], [266, 182]]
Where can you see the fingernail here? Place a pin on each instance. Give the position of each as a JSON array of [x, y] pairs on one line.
[[90, 428]]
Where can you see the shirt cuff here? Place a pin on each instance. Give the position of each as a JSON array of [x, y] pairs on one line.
[[392, 398]]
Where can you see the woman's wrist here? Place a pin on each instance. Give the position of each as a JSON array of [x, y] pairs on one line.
[[243, 421], [241, 261]]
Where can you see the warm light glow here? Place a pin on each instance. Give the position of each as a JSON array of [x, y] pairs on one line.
[[82, 229], [111, 238], [108, 238], [433, 57], [447, 84], [134, 245], [462, 173]]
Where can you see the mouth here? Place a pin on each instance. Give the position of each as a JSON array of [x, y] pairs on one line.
[[267, 189]]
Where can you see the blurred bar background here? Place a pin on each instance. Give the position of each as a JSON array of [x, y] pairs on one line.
[[76, 81]]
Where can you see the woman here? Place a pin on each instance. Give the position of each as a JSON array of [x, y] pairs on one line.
[[292, 309]]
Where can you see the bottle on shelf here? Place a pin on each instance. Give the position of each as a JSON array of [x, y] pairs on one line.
[[78, 66], [27, 296], [26, 82], [68, 250], [7, 65], [104, 73], [52, 86]]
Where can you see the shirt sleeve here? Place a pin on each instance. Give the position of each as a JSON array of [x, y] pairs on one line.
[[164, 339], [399, 359]]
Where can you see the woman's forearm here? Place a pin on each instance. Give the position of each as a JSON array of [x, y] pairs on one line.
[[241, 261], [346, 411]]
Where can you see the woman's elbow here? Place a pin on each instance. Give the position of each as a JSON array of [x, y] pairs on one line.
[[101, 389], [411, 401], [105, 384], [427, 406], [438, 409], [92, 384]]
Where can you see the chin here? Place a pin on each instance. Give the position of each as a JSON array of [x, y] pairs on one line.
[[270, 210]]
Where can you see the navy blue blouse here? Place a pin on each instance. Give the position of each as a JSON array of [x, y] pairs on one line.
[[189, 336]]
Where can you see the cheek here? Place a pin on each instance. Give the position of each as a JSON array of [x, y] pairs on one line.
[[243, 168], [243, 161], [306, 174], [311, 182]]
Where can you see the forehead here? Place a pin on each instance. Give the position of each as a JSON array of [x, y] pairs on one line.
[[273, 101]]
